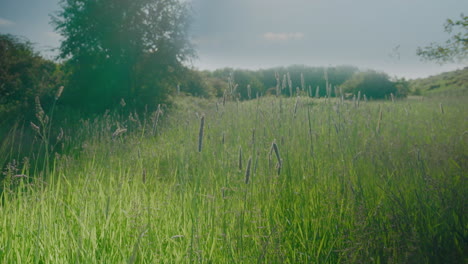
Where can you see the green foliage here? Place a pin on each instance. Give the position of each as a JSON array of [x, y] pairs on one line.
[[248, 84], [403, 87], [454, 49], [264, 81], [345, 193], [454, 82], [197, 84], [23, 76], [374, 85], [122, 49]]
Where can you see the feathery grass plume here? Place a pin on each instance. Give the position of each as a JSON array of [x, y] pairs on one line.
[[249, 91], [118, 132], [156, 115], [393, 97], [317, 92], [278, 83], [230, 82], [40, 114], [377, 129], [365, 98], [290, 85], [275, 148], [122, 102], [240, 158], [247, 171], [310, 91], [35, 128], [283, 83], [200, 134], [441, 108], [60, 135], [59, 93]]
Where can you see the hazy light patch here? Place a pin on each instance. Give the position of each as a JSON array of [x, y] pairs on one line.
[[53, 35], [270, 36], [5, 22]]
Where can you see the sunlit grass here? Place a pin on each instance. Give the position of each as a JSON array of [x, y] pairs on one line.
[[340, 190]]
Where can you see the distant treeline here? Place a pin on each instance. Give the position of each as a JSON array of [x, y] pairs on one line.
[[288, 81], [25, 75]]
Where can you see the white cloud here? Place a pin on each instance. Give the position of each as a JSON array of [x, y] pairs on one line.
[[283, 36], [5, 22]]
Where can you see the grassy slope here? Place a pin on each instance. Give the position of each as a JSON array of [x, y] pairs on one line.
[[455, 81], [383, 182]]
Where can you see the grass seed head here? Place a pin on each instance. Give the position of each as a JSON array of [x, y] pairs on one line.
[[200, 134], [247, 171], [35, 128], [59, 93]]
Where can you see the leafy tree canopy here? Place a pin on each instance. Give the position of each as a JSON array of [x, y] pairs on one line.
[[128, 49], [373, 84], [454, 49], [23, 76]]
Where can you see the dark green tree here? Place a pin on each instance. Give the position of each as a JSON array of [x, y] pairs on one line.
[[373, 84], [23, 76], [454, 49], [115, 49]]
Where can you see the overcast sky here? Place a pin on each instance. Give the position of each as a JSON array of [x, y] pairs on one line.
[[377, 34]]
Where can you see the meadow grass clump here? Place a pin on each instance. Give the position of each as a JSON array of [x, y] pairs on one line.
[[342, 193]]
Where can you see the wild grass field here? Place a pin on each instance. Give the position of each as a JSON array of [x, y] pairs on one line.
[[271, 180]]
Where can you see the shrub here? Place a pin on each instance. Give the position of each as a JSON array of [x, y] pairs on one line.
[[23, 76], [373, 84]]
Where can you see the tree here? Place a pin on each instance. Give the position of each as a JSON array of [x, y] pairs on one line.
[[373, 84], [454, 49], [117, 49], [23, 76]]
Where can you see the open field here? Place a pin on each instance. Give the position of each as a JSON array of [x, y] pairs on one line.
[[277, 180]]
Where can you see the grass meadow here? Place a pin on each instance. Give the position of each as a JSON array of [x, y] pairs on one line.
[[270, 180]]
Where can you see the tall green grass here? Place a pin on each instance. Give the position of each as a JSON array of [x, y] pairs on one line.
[[381, 182]]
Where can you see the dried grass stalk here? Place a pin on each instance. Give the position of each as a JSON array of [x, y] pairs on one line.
[[275, 148], [240, 158], [200, 134], [247, 171]]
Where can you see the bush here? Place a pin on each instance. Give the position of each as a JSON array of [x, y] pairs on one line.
[[23, 76], [373, 84]]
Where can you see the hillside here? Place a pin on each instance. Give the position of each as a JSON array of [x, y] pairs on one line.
[[441, 83]]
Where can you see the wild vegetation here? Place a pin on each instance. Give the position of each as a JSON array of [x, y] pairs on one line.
[[120, 152], [270, 180], [445, 83]]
